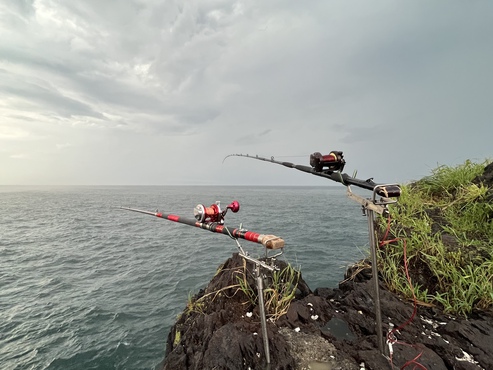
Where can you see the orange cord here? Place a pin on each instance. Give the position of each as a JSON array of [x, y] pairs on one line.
[[391, 339]]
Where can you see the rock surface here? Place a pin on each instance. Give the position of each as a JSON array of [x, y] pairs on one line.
[[324, 329]]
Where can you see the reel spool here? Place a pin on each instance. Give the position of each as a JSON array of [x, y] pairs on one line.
[[334, 161]]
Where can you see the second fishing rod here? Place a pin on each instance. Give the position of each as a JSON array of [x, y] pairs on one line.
[[330, 166]]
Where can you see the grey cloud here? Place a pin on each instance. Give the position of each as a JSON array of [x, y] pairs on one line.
[[47, 100], [16, 13], [36, 61], [252, 138], [318, 75], [176, 77], [376, 134]]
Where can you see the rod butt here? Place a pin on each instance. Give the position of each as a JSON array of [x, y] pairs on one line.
[[272, 242]]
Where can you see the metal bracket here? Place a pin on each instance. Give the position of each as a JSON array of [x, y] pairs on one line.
[[378, 206]]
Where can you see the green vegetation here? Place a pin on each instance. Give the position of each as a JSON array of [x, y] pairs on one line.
[[445, 221], [177, 338], [195, 304], [279, 291]]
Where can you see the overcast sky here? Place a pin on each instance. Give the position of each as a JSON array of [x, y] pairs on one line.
[[158, 92]]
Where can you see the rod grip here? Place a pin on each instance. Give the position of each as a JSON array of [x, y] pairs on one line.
[[389, 191], [272, 242]]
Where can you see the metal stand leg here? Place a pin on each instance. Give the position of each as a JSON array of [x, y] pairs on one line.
[[260, 290], [374, 269], [370, 207]]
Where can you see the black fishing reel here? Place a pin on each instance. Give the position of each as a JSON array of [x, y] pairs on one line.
[[334, 161], [214, 212]]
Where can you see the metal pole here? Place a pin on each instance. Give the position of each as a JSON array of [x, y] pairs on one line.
[[374, 269], [370, 207], [262, 312]]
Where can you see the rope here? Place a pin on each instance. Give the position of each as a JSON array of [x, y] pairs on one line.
[[391, 338]]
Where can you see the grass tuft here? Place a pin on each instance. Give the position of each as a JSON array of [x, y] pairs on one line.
[[279, 290], [447, 222]]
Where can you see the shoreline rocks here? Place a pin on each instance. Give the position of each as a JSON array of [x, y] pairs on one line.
[[324, 329]]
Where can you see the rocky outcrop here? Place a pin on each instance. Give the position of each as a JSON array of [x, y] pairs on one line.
[[329, 328], [324, 329]]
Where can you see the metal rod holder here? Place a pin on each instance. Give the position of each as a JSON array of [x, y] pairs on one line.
[[263, 320], [260, 290], [374, 270], [370, 206]]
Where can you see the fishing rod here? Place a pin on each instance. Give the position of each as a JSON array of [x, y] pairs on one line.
[[330, 166], [212, 219]]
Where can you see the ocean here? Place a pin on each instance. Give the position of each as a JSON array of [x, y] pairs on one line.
[[86, 285]]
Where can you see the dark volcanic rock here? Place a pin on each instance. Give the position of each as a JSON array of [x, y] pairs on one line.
[[215, 332], [487, 177]]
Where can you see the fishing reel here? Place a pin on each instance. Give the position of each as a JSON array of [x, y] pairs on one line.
[[214, 212], [334, 161]]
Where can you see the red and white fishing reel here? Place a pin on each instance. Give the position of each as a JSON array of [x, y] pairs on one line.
[[214, 212]]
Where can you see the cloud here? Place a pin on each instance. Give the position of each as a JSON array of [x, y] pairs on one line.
[[18, 156], [63, 146], [12, 133], [252, 138], [292, 78]]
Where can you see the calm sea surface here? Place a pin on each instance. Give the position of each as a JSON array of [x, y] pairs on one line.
[[85, 285]]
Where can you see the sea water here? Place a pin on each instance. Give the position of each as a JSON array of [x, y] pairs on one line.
[[85, 285]]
